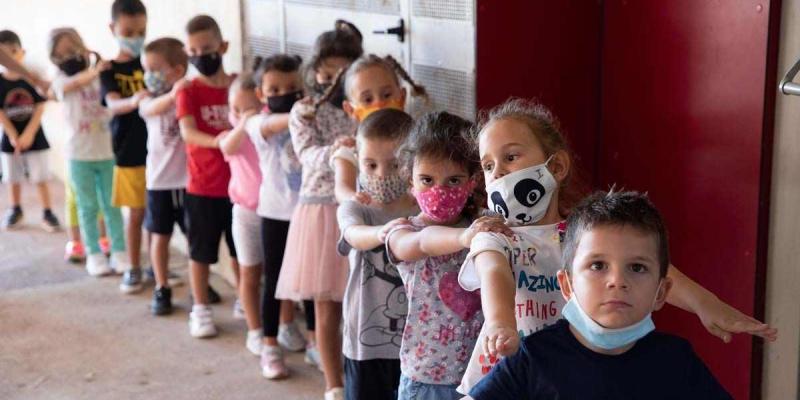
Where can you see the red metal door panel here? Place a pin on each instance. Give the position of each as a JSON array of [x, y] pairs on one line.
[[682, 114]]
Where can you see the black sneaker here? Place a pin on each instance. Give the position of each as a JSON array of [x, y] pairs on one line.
[[50, 222], [213, 296], [131, 281], [13, 218], [162, 301]]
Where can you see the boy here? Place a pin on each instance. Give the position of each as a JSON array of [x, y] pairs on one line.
[[615, 264], [122, 88], [375, 300], [24, 146], [165, 63], [202, 112]]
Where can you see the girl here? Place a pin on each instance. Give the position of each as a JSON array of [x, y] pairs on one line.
[[371, 83], [526, 167], [91, 162], [311, 268], [443, 320]]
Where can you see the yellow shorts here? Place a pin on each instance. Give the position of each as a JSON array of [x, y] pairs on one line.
[[129, 188]]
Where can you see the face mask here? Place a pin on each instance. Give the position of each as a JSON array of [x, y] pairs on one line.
[[156, 82], [602, 337], [523, 196], [362, 112], [337, 97], [131, 45], [207, 64], [383, 189], [73, 65], [444, 203], [283, 104]]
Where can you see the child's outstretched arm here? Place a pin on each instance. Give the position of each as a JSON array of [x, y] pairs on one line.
[[230, 142], [365, 237], [311, 153], [442, 240], [81, 79], [274, 124], [159, 105], [719, 318], [117, 105], [192, 135], [497, 302]]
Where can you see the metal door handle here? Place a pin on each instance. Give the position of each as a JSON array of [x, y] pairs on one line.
[[787, 86], [400, 31]]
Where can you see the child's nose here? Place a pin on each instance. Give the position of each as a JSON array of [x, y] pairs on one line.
[[617, 279]]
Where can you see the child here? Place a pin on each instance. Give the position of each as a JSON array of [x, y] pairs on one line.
[[313, 269], [202, 111], [165, 63], [615, 275], [122, 88], [443, 320], [278, 84], [526, 167], [24, 146], [371, 83], [91, 159], [375, 301]]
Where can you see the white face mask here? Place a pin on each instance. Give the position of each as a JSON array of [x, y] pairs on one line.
[[522, 197]]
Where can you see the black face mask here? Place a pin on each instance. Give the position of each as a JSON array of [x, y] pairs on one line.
[[207, 64], [283, 103], [337, 97], [73, 65]]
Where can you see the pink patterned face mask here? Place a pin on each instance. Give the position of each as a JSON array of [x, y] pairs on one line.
[[443, 203]]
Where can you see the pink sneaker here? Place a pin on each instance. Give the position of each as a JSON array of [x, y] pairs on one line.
[[74, 252], [273, 366], [105, 245]]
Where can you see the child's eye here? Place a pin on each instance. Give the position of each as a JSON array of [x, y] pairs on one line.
[[487, 167], [367, 100], [597, 266], [639, 268], [372, 166], [426, 180], [511, 157], [454, 181]]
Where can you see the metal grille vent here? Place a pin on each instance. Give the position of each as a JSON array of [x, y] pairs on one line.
[[449, 90], [263, 46], [447, 9], [390, 7]]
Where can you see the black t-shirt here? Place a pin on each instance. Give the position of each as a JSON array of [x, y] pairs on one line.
[[552, 364], [18, 100], [128, 131]]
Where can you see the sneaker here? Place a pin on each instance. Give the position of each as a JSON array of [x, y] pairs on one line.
[[312, 356], [253, 342], [273, 366], [105, 245], [13, 218], [119, 262], [290, 337], [74, 252], [50, 222], [201, 323], [336, 393], [162, 301], [131, 281], [213, 296], [238, 311], [97, 265]]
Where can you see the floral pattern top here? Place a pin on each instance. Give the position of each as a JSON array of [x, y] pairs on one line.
[[313, 140], [443, 319]]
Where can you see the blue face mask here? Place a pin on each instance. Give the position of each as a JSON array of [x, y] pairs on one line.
[[156, 82], [131, 45], [600, 336]]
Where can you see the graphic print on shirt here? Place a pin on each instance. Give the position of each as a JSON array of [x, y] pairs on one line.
[[170, 129], [93, 116], [18, 105], [386, 322], [130, 84], [216, 116], [290, 164]]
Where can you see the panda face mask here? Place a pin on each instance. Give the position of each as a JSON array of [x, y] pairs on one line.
[[523, 196]]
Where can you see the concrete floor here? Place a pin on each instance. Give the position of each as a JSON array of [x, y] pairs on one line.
[[65, 335]]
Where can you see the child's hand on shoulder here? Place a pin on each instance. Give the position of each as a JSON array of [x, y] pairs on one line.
[[178, 86], [389, 226], [484, 224], [345, 141], [101, 66], [500, 341], [140, 95], [362, 198]]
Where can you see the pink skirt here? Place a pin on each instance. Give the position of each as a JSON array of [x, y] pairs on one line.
[[312, 269]]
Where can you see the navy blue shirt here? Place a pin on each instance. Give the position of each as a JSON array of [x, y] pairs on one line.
[[552, 364]]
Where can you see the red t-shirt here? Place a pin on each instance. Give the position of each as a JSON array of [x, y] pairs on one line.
[[209, 174]]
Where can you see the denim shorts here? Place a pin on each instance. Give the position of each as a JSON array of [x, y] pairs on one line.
[[412, 390]]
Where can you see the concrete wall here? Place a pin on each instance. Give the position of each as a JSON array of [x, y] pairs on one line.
[[783, 274]]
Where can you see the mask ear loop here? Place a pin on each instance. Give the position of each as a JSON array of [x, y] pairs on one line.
[[655, 299]]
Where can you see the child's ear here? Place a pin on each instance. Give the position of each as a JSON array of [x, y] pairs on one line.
[[348, 109], [563, 282], [559, 166], [223, 48], [111, 28], [663, 291], [260, 95], [403, 93]]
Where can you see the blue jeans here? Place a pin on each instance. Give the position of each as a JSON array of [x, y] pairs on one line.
[[412, 390]]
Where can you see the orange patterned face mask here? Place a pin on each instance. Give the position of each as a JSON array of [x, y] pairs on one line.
[[362, 112]]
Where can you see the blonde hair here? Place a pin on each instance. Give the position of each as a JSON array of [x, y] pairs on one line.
[[61, 33]]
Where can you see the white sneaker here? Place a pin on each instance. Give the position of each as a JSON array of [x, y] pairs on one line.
[[253, 342], [97, 265], [120, 262], [273, 365], [336, 393], [290, 337], [201, 322], [312, 356], [238, 311]]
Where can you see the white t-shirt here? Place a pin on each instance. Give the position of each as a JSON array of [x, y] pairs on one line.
[[89, 137], [534, 254], [166, 151], [281, 171]]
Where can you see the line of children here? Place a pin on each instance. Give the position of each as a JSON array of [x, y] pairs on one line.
[[224, 155]]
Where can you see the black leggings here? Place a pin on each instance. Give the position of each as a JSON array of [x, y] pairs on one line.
[[273, 238]]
